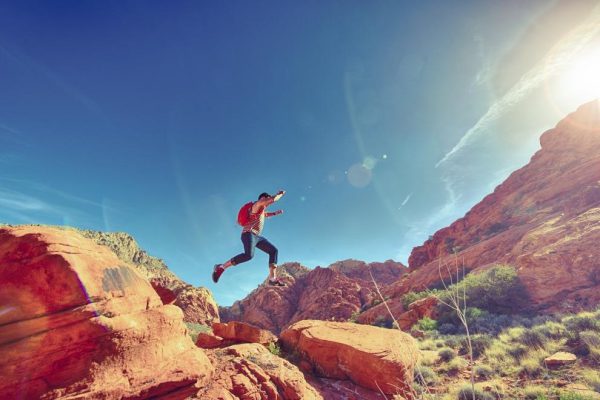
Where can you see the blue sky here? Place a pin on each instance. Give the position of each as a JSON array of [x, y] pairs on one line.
[[383, 120]]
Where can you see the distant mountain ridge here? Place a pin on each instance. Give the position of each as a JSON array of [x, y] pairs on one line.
[[339, 292]]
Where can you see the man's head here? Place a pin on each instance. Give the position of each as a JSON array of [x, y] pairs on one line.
[[263, 195]]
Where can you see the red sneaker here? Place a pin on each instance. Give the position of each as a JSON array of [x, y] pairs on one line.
[[217, 271]]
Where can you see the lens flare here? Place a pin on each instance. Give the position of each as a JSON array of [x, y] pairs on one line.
[[359, 176]]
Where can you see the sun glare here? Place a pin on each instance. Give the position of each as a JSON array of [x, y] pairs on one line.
[[582, 79]]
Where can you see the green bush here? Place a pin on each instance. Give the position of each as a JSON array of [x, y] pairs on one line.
[[274, 349], [532, 339], [592, 379], [446, 354], [411, 297], [551, 329], [534, 393], [517, 351], [425, 376], [573, 396], [194, 329], [467, 393], [531, 368], [454, 366], [592, 340], [427, 324], [582, 322], [483, 372], [496, 290], [479, 343]]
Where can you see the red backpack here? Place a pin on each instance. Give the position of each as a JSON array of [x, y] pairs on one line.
[[244, 214]]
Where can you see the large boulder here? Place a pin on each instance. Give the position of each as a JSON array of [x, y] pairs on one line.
[[375, 358], [240, 332], [197, 303], [250, 371], [77, 321]]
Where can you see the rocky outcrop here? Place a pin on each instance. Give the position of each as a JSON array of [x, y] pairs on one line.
[[417, 310], [250, 371], [375, 358], [560, 359], [544, 219], [76, 321], [197, 303], [240, 332], [339, 292]]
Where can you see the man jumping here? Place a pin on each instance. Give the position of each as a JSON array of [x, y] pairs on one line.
[[251, 238]]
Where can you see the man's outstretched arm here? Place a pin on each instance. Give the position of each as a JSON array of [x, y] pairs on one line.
[[274, 213], [264, 202]]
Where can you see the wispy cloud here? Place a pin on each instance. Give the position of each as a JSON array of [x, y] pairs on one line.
[[8, 131], [406, 200], [24, 201], [554, 62]]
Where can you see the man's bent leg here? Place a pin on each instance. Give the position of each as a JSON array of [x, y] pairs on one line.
[[268, 248], [249, 241]]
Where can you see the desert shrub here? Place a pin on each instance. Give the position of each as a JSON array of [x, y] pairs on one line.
[[448, 328], [534, 392], [591, 340], [479, 343], [274, 349], [411, 297], [517, 351], [354, 316], [467, 393], [496, 290], [427, 344], [585, 321], [531, 367], [427, 324], [456, 365], [573, 396], [492, 324], [194, 329], [551, 329], [446, 354], [425, 376], [591, 378], [483, 372], [532, 339], [452, 342]]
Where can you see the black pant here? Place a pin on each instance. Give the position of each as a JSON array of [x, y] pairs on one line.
[[250, 241]]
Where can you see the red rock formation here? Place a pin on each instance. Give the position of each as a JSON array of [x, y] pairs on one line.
[[543, 219], [417, 310], [208, 340], [77, 321], [335, 293], [197, 303], [375, 358], [250, 371], [241, 332]]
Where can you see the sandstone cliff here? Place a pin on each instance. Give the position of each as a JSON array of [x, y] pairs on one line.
[[544, 219]]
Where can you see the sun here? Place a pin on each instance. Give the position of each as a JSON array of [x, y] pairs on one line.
[[581, 80]]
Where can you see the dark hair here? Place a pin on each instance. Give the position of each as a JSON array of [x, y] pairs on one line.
[[264, 194]]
